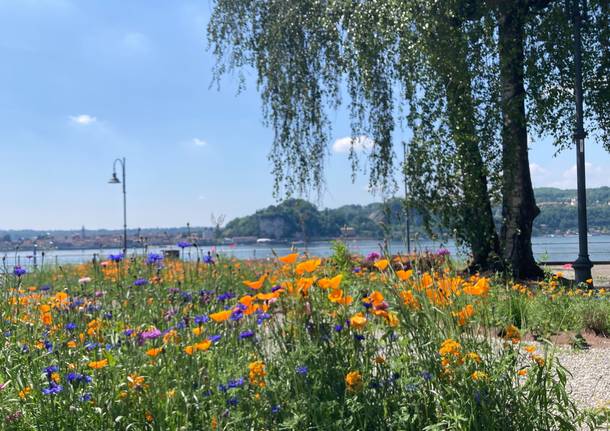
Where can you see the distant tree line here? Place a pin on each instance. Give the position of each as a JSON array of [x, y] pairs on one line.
[[299, 219]]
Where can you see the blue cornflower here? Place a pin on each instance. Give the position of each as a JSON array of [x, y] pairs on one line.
[[208, 259], [186, 296], [236, 383], [276, 288], [232, 401], [358, 337], [302, 370], [140, 282], [222, 388], [53, 389], [276, 409], [116, 257], [25, 348], [426, 375], [246, 334], [236, 315], [85, 397], [153, 258], [45, 287], [108, 315], [90, 345], [18, 271], [338, 328], [70, 326], [184, 244], [48, 346], [201, 319], [215, 338], [225, 296], [128, 332], [51, 369], [262, 317]]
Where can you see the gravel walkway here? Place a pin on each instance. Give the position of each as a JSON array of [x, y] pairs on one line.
[[589, 383]]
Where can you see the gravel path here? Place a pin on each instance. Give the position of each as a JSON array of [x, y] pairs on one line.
[[589, 383]]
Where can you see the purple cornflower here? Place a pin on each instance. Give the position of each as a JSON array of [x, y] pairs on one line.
[[373, 256], [208, 259], [70, 326], [246, 334], [443, 252], [184, 244], [236, 315], [19, 271], [302, 370], [140, 282], [262, 317], [150, 335]]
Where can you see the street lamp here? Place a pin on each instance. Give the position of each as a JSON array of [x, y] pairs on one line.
[[582, 266], [115, 180]]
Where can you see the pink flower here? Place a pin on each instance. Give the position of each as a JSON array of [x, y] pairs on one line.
[[150, 334], [567, 266], [84, 280]]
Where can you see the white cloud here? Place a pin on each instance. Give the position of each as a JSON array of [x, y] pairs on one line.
[[596, 176], [199, 142], [83, 119], [360, 143]]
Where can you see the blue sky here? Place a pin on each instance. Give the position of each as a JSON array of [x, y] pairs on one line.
[[84, 82]]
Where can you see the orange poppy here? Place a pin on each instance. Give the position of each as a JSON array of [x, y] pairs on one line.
[[256, 284], [289, 258], [96, 365], [308, 266], [330, 283], [221, 316]]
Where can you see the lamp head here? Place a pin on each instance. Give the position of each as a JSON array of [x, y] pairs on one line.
[[114, 179]]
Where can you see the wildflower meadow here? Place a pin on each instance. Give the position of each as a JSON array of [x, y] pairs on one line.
[[290, 343]]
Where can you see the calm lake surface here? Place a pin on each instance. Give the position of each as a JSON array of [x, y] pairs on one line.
[[562, 248]]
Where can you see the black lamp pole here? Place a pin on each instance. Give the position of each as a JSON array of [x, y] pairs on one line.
[[582, 266], [115, 180]]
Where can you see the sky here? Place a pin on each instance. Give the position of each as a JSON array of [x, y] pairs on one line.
[[86, 81]]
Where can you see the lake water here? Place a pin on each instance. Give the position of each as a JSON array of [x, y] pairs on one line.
[[563, 249]]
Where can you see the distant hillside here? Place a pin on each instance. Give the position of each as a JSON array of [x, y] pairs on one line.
[[299, 219]]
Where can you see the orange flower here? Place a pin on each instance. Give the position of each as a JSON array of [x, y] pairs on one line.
[[375, 298], [154, 351], [189, 350], [357, 321], [221, 316], [478, 375], [512, 333], [268, 296], [464, 314], [71, 344], [381, 264], [257, 373], [47, 319], [308, 266], [480, 288], [289, 258], [353, 379], [404, 275], [96, 365], [522, 372], [256, 284], [24, 392], [330, 283], [303, 284], [204, 345], [410, 300], [136, 382]]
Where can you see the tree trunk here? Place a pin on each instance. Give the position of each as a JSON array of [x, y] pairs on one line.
[[519, 205], [476, 212]]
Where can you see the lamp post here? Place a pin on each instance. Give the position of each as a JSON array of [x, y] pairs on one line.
[[582, 266], [407, 215], [114, 180]]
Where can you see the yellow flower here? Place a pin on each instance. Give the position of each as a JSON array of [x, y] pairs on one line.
[[539, 360], [357, 321], [450, 348], [473, 356], [55, 377], [381, 264], [353, 379]]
